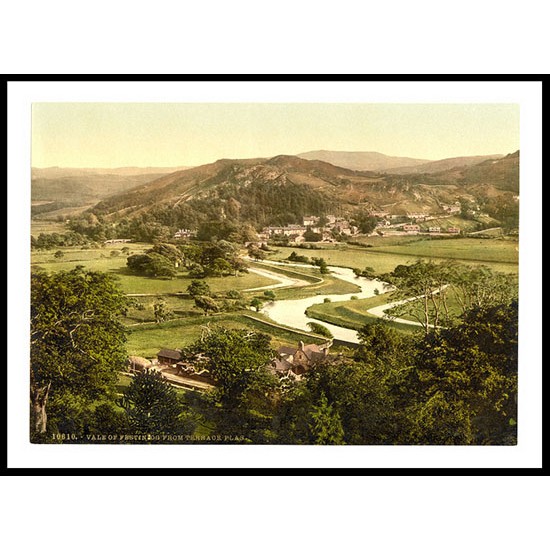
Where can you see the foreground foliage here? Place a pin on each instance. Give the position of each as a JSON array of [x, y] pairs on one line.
[[447, 386]]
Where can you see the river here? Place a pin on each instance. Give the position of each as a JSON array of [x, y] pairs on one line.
[[292, 312]]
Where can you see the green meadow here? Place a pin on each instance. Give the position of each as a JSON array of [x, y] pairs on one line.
[[501, 255], [101, 260], [147, 338]]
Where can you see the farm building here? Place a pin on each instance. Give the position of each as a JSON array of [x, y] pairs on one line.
[[168, 356], [299, 360]]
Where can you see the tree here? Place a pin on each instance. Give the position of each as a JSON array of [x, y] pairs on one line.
[[191, 254], [169, 251], [235, 358], [220, 267], [325, 425], [59, 254], [381, 345], [256, 253], [199, 288], [297, 258], [256, 303], [151, 264], [368, 272], [161, 311], [312, 237], [138, 263], [422, 287], [152, 405], [464, 380], [77, 339], [206, 304], [322, 264], [317, 328], [107, 419], [269, 294], [365, 222], [480, 287], [160, 266]]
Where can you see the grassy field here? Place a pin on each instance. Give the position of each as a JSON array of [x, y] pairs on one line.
[[42, 226], [136, 284], [501, 255], [479, 250], [147, 339], [353, 313]]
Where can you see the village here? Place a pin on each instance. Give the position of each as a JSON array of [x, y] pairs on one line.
[[331, 229]]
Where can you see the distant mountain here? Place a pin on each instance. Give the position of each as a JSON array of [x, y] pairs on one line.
[[358, 160], [284, 188], [59, 172], [441, 165], [88, 185]]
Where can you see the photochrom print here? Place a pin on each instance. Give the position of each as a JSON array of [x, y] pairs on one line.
[[274, 273]]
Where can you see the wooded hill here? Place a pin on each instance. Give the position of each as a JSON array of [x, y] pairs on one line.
[[285, 188]]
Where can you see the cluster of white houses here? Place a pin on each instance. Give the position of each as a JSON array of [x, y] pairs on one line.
[[185, 234], [411, 228], [295, 233], [333, 225]]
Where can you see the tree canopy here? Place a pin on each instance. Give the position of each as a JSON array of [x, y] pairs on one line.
[[77, 339], [152, 405]]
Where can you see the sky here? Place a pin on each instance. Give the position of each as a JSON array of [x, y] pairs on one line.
[[109, 135]]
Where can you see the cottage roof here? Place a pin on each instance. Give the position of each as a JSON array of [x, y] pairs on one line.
[[281, 365], [170, 354], [286, 350], [313, 352]]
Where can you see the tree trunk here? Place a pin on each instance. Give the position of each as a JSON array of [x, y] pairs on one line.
[[39, 398]]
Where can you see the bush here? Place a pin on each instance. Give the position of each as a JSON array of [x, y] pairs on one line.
[[319, 329]]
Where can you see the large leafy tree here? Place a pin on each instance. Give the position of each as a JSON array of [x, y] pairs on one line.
[[464, 384], [198, 288], [77, 340], [365, 222], [152, 264], [235, 358], [206, 303]]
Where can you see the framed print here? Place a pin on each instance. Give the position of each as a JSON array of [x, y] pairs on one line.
[[328, 270]]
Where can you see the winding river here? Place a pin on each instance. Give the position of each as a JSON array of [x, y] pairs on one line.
[[291, 313]]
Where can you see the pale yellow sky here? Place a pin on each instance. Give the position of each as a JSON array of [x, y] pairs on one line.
[[108, 135]]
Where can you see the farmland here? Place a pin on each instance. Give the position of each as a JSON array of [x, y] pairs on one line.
[[184, 322], [383, 257], [100, 260]]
